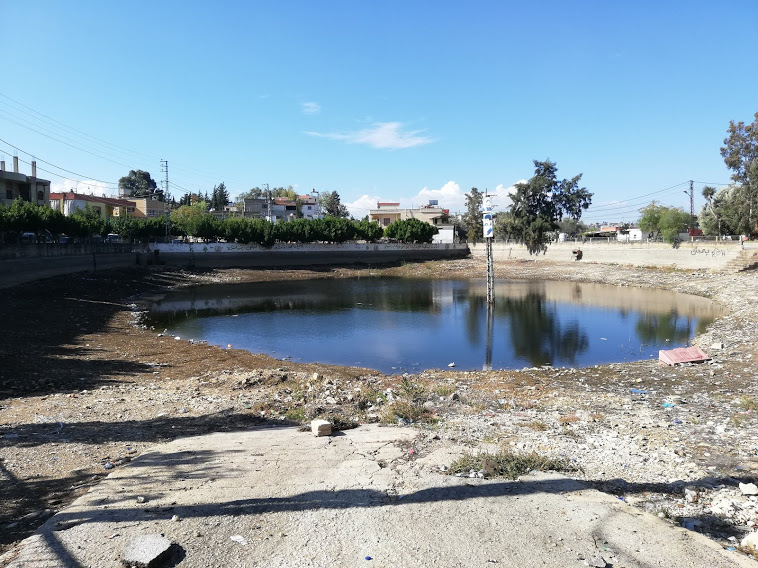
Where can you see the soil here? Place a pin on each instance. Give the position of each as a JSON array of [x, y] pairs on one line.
[[85, 387]]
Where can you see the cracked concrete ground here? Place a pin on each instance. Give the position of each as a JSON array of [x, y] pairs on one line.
[[282, 497]]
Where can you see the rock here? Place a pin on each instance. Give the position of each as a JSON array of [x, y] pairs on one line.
[[717, 346], [749, 488], [141, 499], [145, 550], [690, 496], [750, 541], [597, 562], [321, 428]]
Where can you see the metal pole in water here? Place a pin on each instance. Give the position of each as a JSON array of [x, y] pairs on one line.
[[488, 234]]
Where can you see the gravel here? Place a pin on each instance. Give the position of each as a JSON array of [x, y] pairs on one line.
[[98, 388]]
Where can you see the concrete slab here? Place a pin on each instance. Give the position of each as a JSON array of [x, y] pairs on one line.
[[300, 500]]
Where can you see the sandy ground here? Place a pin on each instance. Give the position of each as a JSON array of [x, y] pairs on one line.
[[83, 386]]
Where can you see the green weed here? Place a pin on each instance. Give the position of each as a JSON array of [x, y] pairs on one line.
[[507, 464]]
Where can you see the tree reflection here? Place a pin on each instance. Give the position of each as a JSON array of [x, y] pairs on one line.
[[536, 332], [660, 328]]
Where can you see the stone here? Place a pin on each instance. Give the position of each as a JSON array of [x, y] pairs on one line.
[[749, 488], [597, 561], [321, 428], [750, 541], [145, 550], [717, 346], [690, 496]]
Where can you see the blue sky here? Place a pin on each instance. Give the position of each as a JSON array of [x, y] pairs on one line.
[[393, 101]]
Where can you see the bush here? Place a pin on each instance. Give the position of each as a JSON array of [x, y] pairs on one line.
[[411, 231]]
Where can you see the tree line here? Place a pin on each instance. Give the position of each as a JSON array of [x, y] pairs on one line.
[[195, 222]]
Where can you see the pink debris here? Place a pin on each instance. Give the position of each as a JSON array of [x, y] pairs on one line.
[[682, 355]]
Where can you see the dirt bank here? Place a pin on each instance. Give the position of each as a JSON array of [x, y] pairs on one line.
[[82, 388]]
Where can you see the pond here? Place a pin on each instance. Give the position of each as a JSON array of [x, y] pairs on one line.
[[397, 325]]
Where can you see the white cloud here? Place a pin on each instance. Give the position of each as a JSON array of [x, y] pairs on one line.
[[449, 196], [311, 108], [85, 187], [360, 207], [503, 199], [380, 135]]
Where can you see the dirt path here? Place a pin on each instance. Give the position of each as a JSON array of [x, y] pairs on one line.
[[82, 387]]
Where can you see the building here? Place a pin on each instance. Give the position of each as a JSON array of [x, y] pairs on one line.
[[282, 208], [14, 185], [254, 207], [633, 234], [69, 202], [309, 207], [144, 207], [387, 213]]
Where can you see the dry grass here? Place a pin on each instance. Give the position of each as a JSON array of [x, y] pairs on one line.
[[410, 412], [507, 464], [568, 419], [536, 425]]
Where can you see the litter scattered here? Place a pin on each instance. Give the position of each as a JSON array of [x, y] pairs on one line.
[[668, 405], [638, 391], [239, 539]]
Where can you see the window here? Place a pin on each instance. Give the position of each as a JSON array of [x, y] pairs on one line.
[[386, 221], [40, 195], [8, 193]]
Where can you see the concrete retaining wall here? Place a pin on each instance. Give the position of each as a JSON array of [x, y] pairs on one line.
[[217, 255], [706, 255], [16, 270], [35, 250], [19, 270]]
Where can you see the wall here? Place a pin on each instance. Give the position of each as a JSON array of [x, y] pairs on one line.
[[24, 263], [19, 270], [217, 255], [702, 255], [32, 250]]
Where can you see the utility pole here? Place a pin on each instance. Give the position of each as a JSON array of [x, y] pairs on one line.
[[692, 206], [268, 203], [166, 195]]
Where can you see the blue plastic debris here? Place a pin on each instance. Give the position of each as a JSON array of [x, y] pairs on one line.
[[638, 391], [369, 558], [668, 405], [677, 421]]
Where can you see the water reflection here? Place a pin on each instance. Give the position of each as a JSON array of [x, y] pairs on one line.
[[398, 325], [537, 334]]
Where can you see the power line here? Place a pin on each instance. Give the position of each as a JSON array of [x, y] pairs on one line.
[[120, 149], [53, 165]]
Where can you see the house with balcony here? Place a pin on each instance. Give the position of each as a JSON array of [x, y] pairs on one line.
[[15, 185], [388, 212], [309, 207]]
